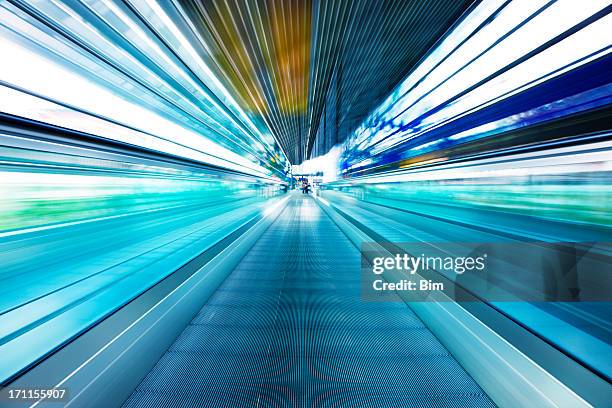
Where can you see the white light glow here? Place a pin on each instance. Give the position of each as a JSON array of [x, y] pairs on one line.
[[138, 125]]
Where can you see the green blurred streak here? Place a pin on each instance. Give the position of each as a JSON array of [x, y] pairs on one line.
[[44, 204]]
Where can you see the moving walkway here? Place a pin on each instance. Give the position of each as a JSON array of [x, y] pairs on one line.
[[288, 328], [273, 315]]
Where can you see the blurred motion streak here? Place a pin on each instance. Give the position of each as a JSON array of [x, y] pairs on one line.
[[136, 135]]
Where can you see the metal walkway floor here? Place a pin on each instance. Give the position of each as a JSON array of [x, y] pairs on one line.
[[288, 329]]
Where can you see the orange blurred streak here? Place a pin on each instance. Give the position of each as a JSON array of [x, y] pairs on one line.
[[233, 57], [283, 42], [291, 24], [422, 160]]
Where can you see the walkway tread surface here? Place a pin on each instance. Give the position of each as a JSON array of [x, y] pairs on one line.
[[288, 329]]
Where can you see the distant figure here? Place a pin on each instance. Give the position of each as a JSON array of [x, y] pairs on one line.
[[305, 187]]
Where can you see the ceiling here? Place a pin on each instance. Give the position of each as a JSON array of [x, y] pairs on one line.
[[281, 59]]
